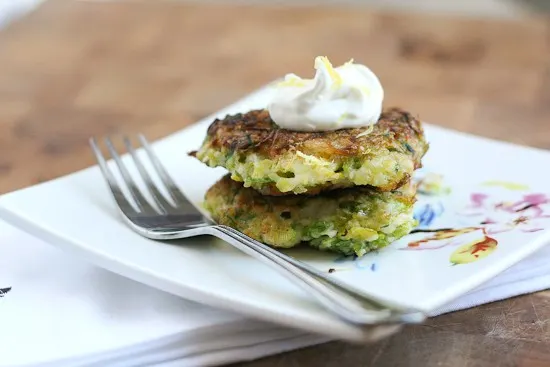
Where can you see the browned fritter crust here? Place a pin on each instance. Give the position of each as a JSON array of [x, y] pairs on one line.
[[256, 131]]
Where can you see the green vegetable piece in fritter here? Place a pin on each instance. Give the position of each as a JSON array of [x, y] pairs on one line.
[[350, 221]]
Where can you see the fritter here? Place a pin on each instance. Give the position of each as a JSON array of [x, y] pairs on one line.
[[277, 161], [350, 221]]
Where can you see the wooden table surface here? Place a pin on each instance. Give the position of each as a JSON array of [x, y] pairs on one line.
[[75, 69]]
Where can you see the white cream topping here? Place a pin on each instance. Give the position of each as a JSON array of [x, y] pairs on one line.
[[336, 98]]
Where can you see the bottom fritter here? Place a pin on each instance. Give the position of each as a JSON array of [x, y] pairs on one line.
[[350, 221]]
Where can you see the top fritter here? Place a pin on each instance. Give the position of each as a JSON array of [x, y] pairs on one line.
[[278, 161]]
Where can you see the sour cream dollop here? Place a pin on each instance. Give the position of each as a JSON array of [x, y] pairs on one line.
[[347, 96]]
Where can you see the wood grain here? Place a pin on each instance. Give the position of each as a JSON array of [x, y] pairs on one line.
[[75, 69]]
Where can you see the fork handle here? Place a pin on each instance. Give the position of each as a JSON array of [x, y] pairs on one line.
[[348, 305]]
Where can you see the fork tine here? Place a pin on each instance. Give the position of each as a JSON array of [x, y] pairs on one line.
[[118, 195], [159, 198], [142, 203], [173, 189]]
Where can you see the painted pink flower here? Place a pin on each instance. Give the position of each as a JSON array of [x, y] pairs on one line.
[[478, 200], [478, 205], [526, 214]]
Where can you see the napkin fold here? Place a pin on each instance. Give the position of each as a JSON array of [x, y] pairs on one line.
[[57, 310]]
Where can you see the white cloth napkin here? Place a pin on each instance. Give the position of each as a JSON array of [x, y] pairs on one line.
[[62, 311]]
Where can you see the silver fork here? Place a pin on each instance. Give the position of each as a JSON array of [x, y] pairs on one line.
[[175, 217]]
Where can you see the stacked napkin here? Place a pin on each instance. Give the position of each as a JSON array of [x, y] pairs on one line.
[[57, 310], [60, 311]]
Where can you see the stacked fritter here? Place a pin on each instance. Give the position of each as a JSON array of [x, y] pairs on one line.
[[347, 191]]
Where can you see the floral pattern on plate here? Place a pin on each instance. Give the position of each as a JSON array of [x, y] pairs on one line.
[[490, 215]]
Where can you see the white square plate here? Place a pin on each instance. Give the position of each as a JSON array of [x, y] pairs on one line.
[[497, 198]]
